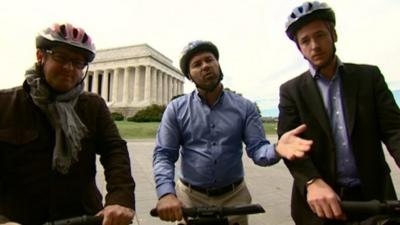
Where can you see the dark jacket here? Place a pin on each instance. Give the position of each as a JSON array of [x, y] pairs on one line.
[[372, 117], [30, 191]]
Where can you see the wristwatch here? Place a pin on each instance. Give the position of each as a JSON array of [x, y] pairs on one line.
[[310, 181]]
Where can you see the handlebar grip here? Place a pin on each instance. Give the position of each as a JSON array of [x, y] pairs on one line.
[[366, 207], [153, 212], [185, 211], [242, 210], [80, 220]]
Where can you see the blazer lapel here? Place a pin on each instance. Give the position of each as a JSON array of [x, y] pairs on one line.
[[313, 100], [350, 89]]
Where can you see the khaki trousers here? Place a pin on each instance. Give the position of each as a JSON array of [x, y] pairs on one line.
[[193, 198]]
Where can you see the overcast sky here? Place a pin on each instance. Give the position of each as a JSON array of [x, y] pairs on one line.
[[255, 54]]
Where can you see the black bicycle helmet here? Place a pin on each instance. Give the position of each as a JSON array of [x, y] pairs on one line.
[[191, 49]]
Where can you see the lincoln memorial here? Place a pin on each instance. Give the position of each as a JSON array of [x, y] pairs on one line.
[[132, 77]]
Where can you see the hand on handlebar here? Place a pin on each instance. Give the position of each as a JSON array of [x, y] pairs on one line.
[[323, 201], [169, 208], [116, 214]]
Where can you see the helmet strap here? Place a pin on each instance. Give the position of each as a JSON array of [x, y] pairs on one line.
[[84, 76]]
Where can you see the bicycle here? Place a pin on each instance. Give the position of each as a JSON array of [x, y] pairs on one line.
[[378, 212], [214, 215]]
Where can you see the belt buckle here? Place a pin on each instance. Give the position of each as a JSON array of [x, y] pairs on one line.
[[212, 191], [220, 191]]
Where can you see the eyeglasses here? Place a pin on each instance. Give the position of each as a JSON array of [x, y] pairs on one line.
[[62, 59]]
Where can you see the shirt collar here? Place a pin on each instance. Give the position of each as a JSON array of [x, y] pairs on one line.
[[201, 99], [314, 74]]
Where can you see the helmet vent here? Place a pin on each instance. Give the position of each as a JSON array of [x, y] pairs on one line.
[[75, 32], [310, 6], [63, 31], [85, 38]]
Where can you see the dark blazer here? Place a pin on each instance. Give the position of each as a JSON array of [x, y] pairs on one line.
[[30, 191], [372, 117]]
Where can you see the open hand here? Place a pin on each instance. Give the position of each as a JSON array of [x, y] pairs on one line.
[[290, 146]]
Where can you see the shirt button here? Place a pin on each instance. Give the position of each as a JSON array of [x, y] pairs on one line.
[[212, 125], [214, 144]]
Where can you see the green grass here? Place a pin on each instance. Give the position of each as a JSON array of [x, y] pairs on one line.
[[134, 130], [270, 127]]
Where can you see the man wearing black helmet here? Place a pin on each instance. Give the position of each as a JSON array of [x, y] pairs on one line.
[[349, 111], [50, 133], [207, 128]]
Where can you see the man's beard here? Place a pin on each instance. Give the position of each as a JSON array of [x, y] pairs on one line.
[[209, 88]]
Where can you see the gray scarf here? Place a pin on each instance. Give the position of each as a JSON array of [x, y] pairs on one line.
[[59, 108]]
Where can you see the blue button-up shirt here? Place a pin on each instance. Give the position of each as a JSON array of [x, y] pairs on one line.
[[209, 141], [331, 92]]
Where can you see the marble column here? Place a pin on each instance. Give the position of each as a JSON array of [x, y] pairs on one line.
[[170, 88], [137, 89], [95, 82], [174, 87], [153, 86], [131, 83], [147, 84], [104, 85], [115, 86], [125, 88], [165, 88], [159, 88]]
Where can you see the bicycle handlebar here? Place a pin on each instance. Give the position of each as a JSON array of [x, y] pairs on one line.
[[215, 211], [79, 220], [371, 207]]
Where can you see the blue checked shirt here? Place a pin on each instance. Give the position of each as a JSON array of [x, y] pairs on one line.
[[209, 141]]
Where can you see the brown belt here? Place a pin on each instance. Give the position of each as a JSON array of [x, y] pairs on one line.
[[214, 191]]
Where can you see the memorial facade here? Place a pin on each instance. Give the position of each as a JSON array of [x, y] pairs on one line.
[[133, 77]]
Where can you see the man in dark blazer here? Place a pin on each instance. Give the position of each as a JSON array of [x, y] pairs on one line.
[[349, 111]]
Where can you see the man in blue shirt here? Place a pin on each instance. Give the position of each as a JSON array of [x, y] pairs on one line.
[[349, 111], [207, 128]]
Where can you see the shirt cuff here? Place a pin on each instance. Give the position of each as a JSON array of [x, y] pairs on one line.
[[164, 189], [272, 154], [266, 155]]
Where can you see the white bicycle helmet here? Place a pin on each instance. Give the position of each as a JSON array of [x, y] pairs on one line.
[[66, 34], [306, 13]]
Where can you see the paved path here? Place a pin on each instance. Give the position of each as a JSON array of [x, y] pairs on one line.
[[269, 186]]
